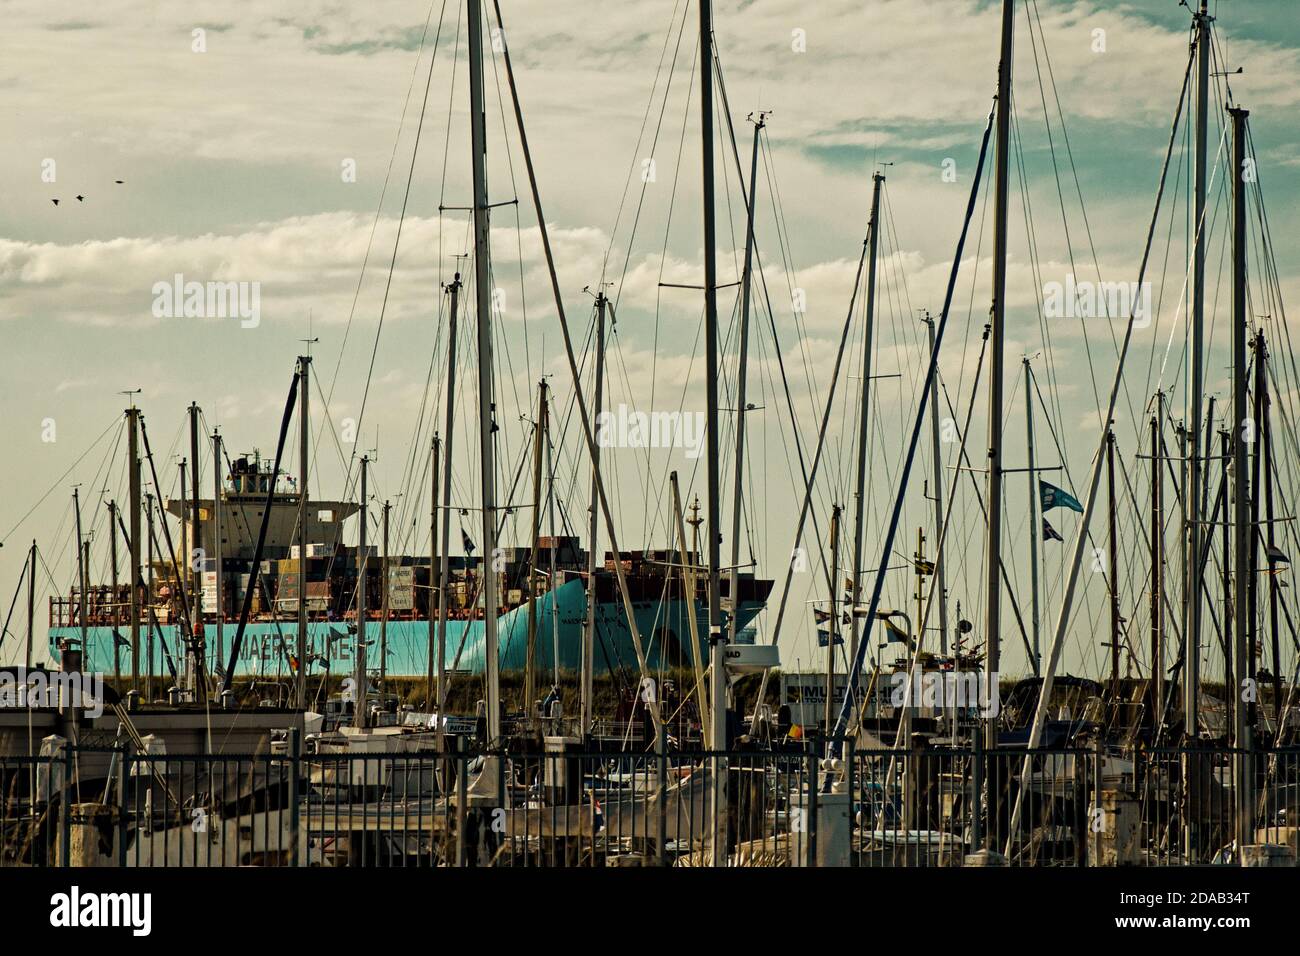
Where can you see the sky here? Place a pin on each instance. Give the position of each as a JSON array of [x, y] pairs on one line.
[[275, 145]]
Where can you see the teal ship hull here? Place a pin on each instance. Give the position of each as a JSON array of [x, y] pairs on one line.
[[664, 627]]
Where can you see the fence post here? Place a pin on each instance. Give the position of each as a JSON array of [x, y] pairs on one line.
[[810, 806], [123, 775], [662, 747], [850, 778], [65, 849], [295, 770], [462, 795]]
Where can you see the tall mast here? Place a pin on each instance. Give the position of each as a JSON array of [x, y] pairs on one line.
[[1112, 565], [359, 658], [833, 621], [304, 434], [940, 576], [864, 417], [1242, 528], [535, 547], [586, 680], [189, 672], [219, 602], [150, 619], [444, 551], [717, 639], [31, 609], [112, 560], [433, 565], [1192, 532], [196, 567], [742, 375], [133, 482], [384, 604], [555, 604], [997, 319], [1157, 560], [1265, 422], [1035, 521], [487, 428], [81, 575]]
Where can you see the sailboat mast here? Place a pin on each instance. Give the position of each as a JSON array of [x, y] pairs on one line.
[[1192, 532], [586, 691], [359, 715], [1112, 565], [1035, 521], [31, 610], [539, 431], [81, 575], [997, 322], [1157, 560], [384, 603], [742, 375], [133, 482], [444, 566], [112, 558], [937, 465], [433, 565], [1242, 528], [196, 567], [864, 417], [219, 604], [304, 434], [487, 428], [189, 671], [833, 621], [1266, 427], [717, 639]]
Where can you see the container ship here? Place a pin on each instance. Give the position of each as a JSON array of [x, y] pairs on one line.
[[402, 612]]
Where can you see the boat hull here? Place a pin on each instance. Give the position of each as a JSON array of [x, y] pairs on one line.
[[664, 627]]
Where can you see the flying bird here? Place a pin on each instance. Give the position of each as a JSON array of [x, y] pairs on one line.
[[55, 201], [119, 181], [81, 199]]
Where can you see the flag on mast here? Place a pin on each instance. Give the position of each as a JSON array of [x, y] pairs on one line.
[[1054, 497]]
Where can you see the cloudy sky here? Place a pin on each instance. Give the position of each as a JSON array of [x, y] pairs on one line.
[[276, 145]]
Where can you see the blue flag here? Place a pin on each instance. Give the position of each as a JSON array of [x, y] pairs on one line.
[[1053, 497], [824, 637]]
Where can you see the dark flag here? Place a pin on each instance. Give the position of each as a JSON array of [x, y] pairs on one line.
[[1053, 497], [823, 638], [1049, 533]]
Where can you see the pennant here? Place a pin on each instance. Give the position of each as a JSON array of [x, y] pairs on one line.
[[119, 640], [1049, 533], [923, 566], [895, 634], [820, 616], [1053, 497], [1276, 555], [848, 586], [466, 541], [824, 637]]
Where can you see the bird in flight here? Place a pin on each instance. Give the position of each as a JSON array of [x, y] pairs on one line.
[[55, 201], [81, 199]]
